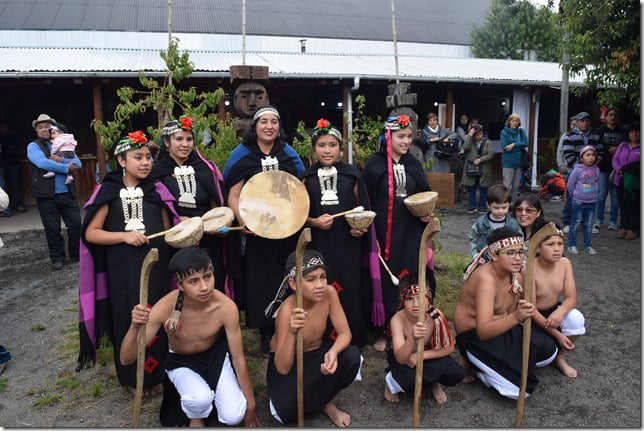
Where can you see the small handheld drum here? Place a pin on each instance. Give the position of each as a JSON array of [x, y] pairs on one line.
[[216, 218], [274, 204], [185, 234], [360, 219], [421, 204]]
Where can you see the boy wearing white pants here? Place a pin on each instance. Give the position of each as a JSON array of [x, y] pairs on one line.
[[556, 298], [205, 368]]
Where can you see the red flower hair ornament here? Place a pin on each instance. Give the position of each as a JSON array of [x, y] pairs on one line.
[[137, 137], [186, 123]]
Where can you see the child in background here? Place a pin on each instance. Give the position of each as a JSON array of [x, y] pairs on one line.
[[583, 187], [438, 367], [62, 144], [498, 201], [558, 318], [554, 186]]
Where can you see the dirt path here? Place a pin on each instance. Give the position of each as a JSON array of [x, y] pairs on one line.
[[38, 308]]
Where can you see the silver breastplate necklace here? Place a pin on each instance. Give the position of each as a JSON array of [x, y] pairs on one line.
[[185, 176], [328, 177], [270, 163], [400, 179], [132, 202]]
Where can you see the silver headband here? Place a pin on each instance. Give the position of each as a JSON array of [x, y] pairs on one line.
[[265, 110]]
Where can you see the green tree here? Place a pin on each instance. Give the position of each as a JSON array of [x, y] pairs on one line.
[[516, 30], [169, 102], [603, 40]]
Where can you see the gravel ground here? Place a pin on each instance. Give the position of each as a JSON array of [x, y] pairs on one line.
[[39, 312]]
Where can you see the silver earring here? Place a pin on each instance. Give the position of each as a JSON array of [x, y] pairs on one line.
[[124, 173]]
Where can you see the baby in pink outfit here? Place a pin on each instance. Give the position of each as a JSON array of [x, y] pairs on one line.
[[62, 144]]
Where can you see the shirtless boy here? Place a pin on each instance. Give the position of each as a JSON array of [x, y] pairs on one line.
[[329, 366], [488, 317], [560, 319], [205, 363], [438, 367]]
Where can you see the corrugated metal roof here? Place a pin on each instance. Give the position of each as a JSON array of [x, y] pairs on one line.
[[435, 21], [26, 62]]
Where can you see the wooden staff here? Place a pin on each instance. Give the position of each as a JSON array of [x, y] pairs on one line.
[[150, 259], [528, 289], [305, 238], [356, 209], [432, 227]]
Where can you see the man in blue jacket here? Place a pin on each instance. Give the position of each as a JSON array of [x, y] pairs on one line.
[[54, 198]]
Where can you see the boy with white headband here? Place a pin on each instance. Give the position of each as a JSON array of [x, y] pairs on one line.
[[205, 366], [488, 317]]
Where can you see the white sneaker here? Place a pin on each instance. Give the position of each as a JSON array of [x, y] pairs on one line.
[[566, 229], [595, 230], [573, 250], [590, 250]]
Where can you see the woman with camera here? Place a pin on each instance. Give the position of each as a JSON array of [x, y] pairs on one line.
[[477, 172]]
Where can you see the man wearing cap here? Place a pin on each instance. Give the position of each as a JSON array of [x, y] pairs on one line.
[[574, 141], [54, 198]]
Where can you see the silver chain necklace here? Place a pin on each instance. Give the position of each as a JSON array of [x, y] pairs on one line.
[[328, 177], [401, 180], [132, 202], [185, 176]]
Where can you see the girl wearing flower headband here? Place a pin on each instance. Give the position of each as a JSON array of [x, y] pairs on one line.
[[391, 175], [125, 207], [262, 260], [334, 187], [196, 184]]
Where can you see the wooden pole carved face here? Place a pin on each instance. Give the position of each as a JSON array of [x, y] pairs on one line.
[[249, 97]]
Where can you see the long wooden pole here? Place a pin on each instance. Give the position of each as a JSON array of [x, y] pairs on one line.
[[150, 259], [305, 238], [432, 227], [528, 289]]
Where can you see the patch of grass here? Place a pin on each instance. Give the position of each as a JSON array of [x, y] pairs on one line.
[[38, 327], [105, 351], [47, 400], [259, 388], [4, 384], [68, 383], [448, 270], [97, 389], [70, 347]]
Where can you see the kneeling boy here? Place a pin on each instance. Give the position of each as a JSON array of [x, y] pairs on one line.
[[560, 319], [206, 361], [328, 366], [488, 317], [438, 367]]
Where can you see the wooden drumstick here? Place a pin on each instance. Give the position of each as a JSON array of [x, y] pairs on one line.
[[148, 262], [356, 209], [158, 234], [305, 238], [432, 227], [226, 229], [394, 280], [528, 288]]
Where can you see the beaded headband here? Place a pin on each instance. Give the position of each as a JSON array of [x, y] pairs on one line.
[[505, 243], [413, 289], [183, 123], [324, 127], [180, 276], [265, 110], [313, 263], [133, 141]]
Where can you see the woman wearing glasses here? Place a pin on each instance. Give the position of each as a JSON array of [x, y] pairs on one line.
[[528, 211]]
